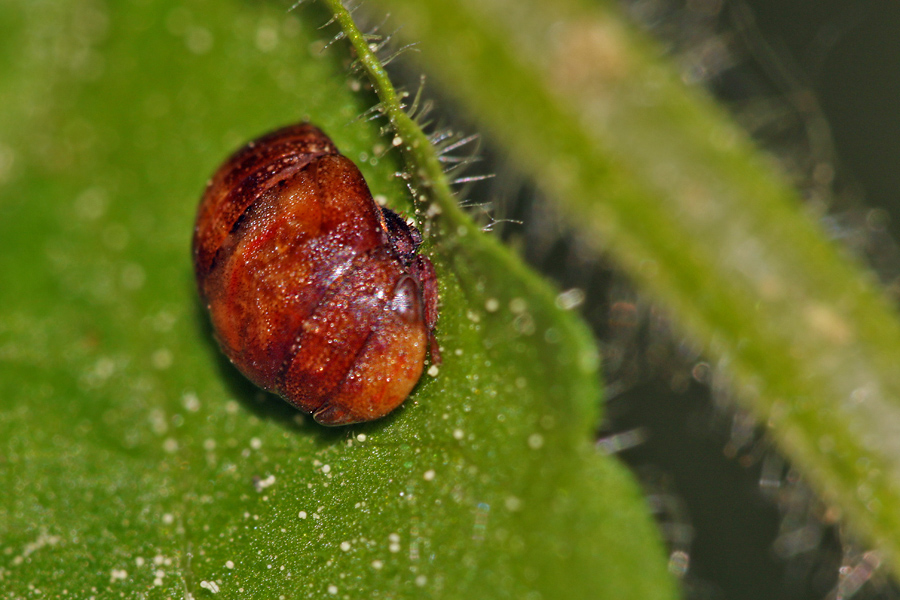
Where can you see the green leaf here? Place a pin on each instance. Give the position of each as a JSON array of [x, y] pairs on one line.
[[136, 461], [655, 173]]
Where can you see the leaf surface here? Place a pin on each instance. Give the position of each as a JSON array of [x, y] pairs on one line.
[[136, 460]]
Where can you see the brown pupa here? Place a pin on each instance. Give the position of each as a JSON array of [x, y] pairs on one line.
[[315, 292]]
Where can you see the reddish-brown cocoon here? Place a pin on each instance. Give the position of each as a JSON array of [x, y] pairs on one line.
[[315, 293]]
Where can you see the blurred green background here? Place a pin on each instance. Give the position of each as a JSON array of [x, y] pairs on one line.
[[816, 83]]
